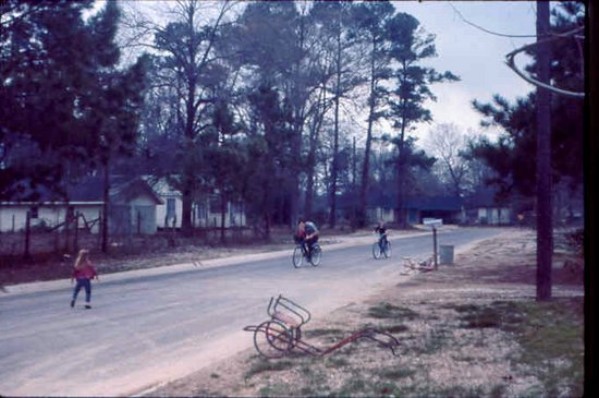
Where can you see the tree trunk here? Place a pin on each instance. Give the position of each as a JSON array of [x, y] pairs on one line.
[[366, 166], [223, 209], [335, 165], [106, 198], [401, 197], [544, 214], [186, 205], [313, 147]]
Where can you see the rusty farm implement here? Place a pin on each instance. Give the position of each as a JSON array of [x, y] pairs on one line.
[[281, 334]]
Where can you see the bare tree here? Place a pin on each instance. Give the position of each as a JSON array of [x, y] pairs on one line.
[[187, 47], [446, 143]]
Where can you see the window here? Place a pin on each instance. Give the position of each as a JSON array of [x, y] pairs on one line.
[[34, 212], [170, 208], [214, 204], [201, 212]]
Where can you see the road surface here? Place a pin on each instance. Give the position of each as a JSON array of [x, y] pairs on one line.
[[151, 326]]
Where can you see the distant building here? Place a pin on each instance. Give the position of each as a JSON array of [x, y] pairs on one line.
[[168, 213], [482, 208], [447, 208], [206, 212], [132, 208]]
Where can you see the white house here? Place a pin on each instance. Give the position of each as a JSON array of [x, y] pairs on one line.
[[132, 208], [13, 215], [482, 208], [168, 213], [493, 215], [206, 212]]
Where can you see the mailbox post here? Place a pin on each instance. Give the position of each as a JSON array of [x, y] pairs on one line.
[[433, 224]]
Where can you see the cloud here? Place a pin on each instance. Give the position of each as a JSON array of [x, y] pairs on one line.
[[477, 57]]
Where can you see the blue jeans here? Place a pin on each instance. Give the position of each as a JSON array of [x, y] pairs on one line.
[[87, 285], [308, 245], [382, 242]]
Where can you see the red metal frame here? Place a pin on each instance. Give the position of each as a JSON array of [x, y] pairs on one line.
[[283, 331]]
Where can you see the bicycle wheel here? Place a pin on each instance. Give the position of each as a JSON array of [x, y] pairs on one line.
[[376, 250], [298, 257], [273, 339], [316, 255], [387, 251]]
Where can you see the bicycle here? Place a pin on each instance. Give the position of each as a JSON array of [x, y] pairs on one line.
[[381, 248], [300, 253]]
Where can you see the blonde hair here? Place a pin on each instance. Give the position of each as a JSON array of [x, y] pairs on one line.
[[81, 257]]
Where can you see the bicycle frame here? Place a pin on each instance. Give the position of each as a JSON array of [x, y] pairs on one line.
[[382, 247], [313, 258]]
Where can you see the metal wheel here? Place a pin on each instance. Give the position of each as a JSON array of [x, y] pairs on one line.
[[298, 257], [387, 251], [273, 339], [316, 255], [376, 250]]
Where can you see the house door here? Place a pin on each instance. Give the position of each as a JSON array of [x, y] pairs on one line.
[[120, 220], [144, 221]]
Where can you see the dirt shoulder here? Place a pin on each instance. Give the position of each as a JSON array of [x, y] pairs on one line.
[[465, 329]]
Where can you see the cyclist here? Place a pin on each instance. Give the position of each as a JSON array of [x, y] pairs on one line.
[[306, 234], [381, 229]]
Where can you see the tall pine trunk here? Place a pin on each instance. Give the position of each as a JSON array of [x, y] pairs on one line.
[[335, 164], [105, 207], [361, 221]]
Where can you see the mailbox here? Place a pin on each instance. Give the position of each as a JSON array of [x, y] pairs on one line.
[[432, 223]]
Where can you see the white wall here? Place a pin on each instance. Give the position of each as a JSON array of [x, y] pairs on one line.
[[211, 219], [161, 211], [14, 217], [494, 216]]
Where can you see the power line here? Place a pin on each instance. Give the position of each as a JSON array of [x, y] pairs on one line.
[[545, 38], [512, 65], [565, 34], [484, 29]]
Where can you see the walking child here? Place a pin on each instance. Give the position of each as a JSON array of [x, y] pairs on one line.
[[83, 273]]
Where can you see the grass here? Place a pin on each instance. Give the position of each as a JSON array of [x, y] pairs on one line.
[[389, 311], [553, 345], [549, 355], [434, 341], [267, 366], [550, 335], [322, 332]]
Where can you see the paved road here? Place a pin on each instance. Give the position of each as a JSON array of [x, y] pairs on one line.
[[153, 326]]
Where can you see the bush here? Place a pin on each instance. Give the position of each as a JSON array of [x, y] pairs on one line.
[[575, 240]]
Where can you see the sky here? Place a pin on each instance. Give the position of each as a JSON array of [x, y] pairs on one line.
[[477, 57]]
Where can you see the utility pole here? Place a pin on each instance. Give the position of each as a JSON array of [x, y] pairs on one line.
[[544, 208]]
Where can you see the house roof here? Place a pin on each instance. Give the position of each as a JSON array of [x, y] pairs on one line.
[[162, 187], [127, 191], [422, 203], [434, 203], [87, 190], [483, 197], [91, 190]]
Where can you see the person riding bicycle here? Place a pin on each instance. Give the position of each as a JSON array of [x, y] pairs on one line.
[[381, 229], [306, 235]]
